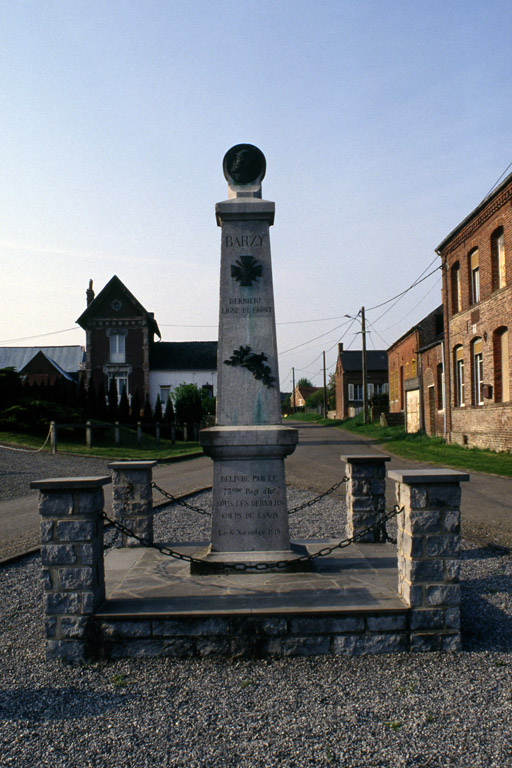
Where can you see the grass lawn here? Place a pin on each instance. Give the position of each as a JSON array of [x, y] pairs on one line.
[[419, 447], [104, 446]]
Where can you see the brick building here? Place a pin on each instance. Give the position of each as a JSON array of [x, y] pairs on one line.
[[121, 345], [411, 377], [477, 298], [349, 379]]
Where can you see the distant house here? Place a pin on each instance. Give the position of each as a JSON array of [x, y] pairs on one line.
[[121, 346], [349, 379], [415, 390], [44, 365], [301, 394]]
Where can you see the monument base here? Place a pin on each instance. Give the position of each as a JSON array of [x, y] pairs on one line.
[[249, 506], [284, 561]]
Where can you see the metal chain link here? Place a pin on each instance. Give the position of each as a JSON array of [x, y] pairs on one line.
[[181, 502], [263, 566], [311, 502]]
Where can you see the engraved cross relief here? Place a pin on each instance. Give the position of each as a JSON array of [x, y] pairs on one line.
[[246, 270]]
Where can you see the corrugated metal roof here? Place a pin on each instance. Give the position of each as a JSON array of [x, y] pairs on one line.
[[67, 358], [183, 356]]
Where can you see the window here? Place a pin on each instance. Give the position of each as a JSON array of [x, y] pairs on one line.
[[406, 371], [474, 268], [440, 387], [350, 391], [498, 259], [117, 348], [370, 389], [413, 368], [358, 392], [501, 366], [455, 288], [121, 383], [478, 373], [459, 377], [165, 393]]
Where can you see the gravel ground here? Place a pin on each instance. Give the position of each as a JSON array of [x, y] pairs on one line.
[[388, 711], [18, 468]]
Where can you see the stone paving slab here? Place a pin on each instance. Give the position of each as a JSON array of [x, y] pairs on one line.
[[143, 582]]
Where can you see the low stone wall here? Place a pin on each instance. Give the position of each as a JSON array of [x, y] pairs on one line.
[[255, 636]]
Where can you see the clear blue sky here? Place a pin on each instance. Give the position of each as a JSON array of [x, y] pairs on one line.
[[383, 123]]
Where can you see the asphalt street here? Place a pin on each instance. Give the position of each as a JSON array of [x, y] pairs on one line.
[[315, 465]]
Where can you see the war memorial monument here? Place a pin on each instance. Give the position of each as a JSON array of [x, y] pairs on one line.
[[250, 590]]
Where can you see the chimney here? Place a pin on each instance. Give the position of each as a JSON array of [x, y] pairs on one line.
[[340, 348], [90, 293]]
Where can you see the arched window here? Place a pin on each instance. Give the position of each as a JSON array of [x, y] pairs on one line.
[[455, 288], [498, 259], [458, 367], [477, 364], [501, 360], [474, 275]]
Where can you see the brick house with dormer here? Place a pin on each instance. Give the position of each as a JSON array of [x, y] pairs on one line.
[[477, 297], [121, 344]]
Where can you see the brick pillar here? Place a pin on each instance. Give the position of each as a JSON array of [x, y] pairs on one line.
[[72, 560], [366, 489], [132, 499], [428, 543]]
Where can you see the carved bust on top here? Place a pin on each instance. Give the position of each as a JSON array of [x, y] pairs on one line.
[[244, 164]]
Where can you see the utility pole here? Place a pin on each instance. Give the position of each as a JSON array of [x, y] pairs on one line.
[[365, 378], [325, 390], [293, 391]]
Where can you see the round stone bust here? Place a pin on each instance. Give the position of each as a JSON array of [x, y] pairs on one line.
[[244, 164]]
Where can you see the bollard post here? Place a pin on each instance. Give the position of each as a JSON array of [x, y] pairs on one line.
[[117, 434], [132, 499], [173, 433], [366, 493], [72, 560], [88, 434], [53, 437], [157, 434], [428, 543], [139, 433], [185, 433]]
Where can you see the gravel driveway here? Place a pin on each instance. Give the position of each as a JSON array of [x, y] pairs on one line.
[[389, 711]]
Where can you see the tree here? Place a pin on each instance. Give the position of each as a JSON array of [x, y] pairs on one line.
[[147, 416], [91, 409], [169, 411], [331, 392], [135, 409], [316, 399], [158, 409], [188, 404], [304, 382], [124, 407], [101, 403], [112, 400]]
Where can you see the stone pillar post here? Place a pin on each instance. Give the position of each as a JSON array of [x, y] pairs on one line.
[[428, 544], [366, 489], [72, 560], [132, 499]]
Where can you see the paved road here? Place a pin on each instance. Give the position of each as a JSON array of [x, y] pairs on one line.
[[315, 465]]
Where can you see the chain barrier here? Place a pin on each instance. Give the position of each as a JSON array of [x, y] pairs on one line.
[[292, 511], [181, 502], [311, 502], [27, 450], [263, 566]]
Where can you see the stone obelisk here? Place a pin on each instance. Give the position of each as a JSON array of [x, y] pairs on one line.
[[248, 444]]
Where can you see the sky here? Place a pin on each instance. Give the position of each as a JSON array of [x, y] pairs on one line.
[[383, 123]]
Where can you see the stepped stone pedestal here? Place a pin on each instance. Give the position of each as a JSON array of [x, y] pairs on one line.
[[248, 444]]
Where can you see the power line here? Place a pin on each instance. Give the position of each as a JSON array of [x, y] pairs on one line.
[[39, 335], [497, 182], [413, 285]]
